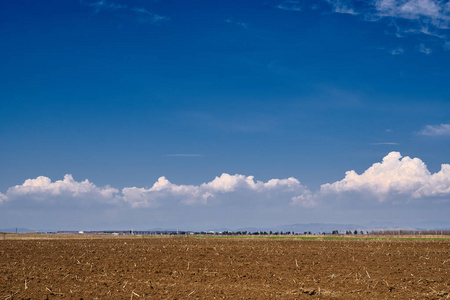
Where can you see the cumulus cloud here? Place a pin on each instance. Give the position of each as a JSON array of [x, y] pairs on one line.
[[239, 186], [222, 190], [306, 199], [161, 190], [42, 188], [442, 129], [395, 177], [2, 198]]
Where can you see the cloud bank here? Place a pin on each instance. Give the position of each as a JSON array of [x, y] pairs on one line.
[[395, 179], [213, 192], [162, 192]]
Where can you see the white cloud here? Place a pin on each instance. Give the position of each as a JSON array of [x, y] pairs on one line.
[[442, 129], [306, 199], [144, 16], [240, 186], [42, 188], [342, 7], [395, 177], [3, 198], [99, 5], [162, 190], [429, 17], [438, 184], [229, 183], [407, 17]]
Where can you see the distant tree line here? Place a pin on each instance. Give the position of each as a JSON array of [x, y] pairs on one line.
[[268, 233], [260, 233], [410, 232]]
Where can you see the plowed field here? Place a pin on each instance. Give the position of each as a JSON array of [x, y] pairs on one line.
[[208, 268]]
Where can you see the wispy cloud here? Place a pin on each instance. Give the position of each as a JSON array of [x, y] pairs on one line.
[[429, 16], [140, 14], [436, 130], [397, 51], [253, 123], [437, 12], [408, 17], [241, 24], [387, 143], [184, 155], [290, 5], [103, 5], [145, 16], [424, 49], [342, 7], [404, 17]]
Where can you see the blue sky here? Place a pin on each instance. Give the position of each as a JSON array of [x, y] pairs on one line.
[[125, 93]]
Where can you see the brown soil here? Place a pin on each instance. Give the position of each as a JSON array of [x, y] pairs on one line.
[[208, 268]]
